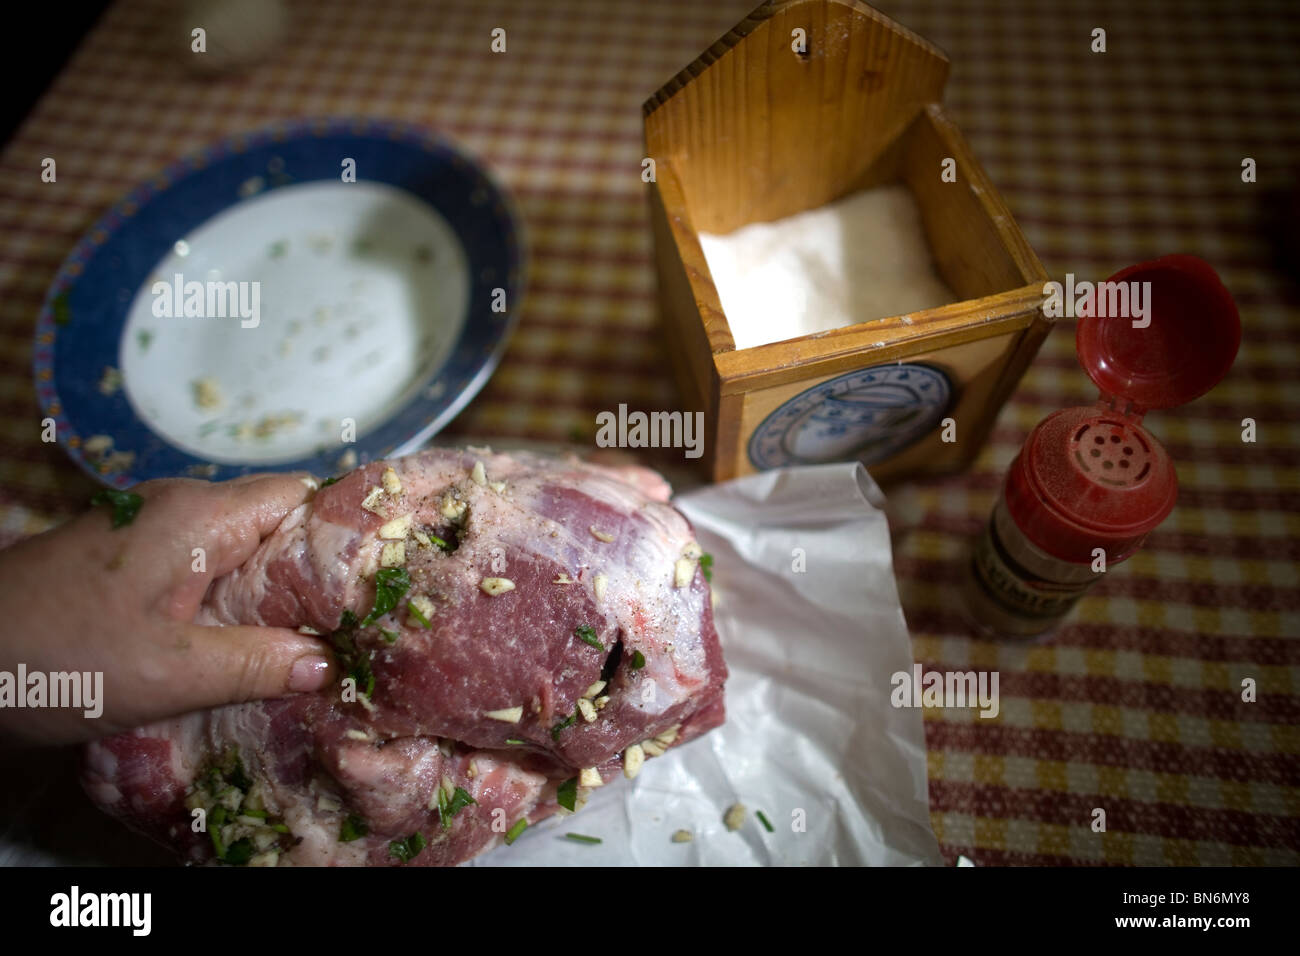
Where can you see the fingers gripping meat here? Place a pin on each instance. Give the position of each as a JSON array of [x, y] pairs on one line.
[[505, 623]]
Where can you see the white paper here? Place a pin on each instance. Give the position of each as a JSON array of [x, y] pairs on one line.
[[809, 724]]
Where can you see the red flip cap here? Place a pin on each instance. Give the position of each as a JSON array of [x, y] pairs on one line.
[[1092, 477]]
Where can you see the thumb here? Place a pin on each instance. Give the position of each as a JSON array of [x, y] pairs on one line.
[[236, 663]]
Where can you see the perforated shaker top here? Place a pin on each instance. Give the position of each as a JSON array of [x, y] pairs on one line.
[[1093, 477]]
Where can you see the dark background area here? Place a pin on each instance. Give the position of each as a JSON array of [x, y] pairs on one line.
[[41, 39]]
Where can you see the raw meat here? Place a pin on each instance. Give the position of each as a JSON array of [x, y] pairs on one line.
[[538, 578]]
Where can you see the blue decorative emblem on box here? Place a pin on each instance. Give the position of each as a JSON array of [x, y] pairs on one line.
[[870, 414]]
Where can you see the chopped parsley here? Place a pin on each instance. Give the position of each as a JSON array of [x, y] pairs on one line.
[[567, 722], [580, 838], [566, 795], [329, 481], [353, 661], [216, 820], [408, 849], [224, 788], [587, 634], [513, 740], [513, 833], [126, 505], [415, 613], [353, 828], [638, 660], [239, 852], [235, 775], [448, 807], [762, 818], [440, 543], [706, 565], [390, 585], [62, 314]]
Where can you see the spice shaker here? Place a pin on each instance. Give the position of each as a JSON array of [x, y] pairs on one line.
[[1090, 482]]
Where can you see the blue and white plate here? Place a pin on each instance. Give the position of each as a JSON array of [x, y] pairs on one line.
[[250, 309]]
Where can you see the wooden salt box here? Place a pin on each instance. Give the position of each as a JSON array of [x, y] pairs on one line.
[[756, 130]]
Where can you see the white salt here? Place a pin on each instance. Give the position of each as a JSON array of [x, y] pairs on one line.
[[863, 257]]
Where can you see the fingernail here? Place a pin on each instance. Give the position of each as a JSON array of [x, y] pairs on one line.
[[309, 673]]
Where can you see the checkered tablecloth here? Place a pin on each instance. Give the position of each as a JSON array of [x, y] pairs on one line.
[[1105, 159]]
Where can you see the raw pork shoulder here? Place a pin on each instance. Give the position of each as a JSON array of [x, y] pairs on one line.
[[512, 630]]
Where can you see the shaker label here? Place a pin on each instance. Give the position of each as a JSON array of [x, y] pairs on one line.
[[1014, 587]]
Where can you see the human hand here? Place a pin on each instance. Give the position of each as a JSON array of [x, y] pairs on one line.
[[87, 598]]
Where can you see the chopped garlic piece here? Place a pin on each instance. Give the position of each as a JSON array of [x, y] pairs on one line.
[[478, 475], [600, 535], [563, 579], [393, 554], [268, 858], [452, 507], [328, 804], [683, 572], [448, 787], [734, 817], [357, 735], [398, 528], [392, 484], [311, 483], [683, 836], [495, 586], [633, 760], [110, 381], [652, 748], [590, 777], [422, 539], [510, 715], [587, 709], [601, 702], [207, 393], [594, 689], [372, 501], [422, 604], [692, 550], [601, 584], [498, 486], [97, 444], [668, 736], [268, 425], [311, 631]]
